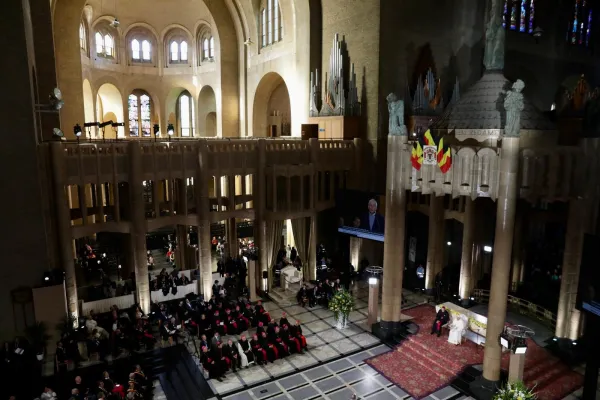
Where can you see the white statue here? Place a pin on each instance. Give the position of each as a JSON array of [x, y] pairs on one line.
[[493, 58], [513, 104], [458, 327], [396, 110]]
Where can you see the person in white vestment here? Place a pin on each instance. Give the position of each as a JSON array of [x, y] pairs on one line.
[[457, 329]]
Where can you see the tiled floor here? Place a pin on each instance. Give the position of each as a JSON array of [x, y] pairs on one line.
[[325, 343]]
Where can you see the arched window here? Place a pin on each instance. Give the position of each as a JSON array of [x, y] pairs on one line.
[[178, 51], [519, 15], [105, 45], [271, 27], [174, 51], [135, 49], [580, 25], [139, 111], [211, 47], [146, 48], [205, 49], [82, 37], [185, 114]]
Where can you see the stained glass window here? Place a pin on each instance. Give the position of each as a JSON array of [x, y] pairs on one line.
[[174, 51], [135, 49], [531, 15], [146, 50], [520, 14], [145, 114], [133, 115], [184, 51], [580, 26], [589, 29]]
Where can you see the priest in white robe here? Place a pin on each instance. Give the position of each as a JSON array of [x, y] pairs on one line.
[[458, 328]]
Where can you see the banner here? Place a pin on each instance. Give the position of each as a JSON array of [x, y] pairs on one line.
[[430, 155]]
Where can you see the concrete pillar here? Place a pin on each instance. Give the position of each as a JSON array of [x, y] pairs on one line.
[[232, 240], [138, 225], [393, 247], [260, 228], [312, 248], [570, 269], [201, 182], [355, 250], [252, 280], [182, 244], [505, 221], [516, 368], [465, 285], [63, 219], [435, 250], [373, 303], [517, 253]]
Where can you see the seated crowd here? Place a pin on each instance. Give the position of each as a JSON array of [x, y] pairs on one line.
[[168, 282], [104, 387], [320, 294]]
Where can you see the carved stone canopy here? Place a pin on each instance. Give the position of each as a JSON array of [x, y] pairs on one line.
[[481, 109]]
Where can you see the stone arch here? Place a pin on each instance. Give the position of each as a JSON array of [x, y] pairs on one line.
[[171, 108], [141, 31], [227, 49], [154, 114], [88, 104], [271, 107], [178, 33], [110, 107], [207, 112], [103, 25]]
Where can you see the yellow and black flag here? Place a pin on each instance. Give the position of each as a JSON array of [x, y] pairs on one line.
[[444, 156], [428, 139]]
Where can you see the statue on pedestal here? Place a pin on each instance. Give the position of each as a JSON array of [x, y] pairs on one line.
[[396, 109], [513, 104], [493, 58]]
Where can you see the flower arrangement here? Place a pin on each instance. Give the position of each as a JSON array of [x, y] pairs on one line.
[[515, 391], [341, 304]]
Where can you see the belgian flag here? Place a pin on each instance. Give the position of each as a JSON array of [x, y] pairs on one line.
[[428, 139], [444, 156], [416, 157]]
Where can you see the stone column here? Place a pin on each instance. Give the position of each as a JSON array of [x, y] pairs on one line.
[[355, 250], [232, 240], [63, 222], [252, 280], [517, 253], [312, 248], [570, 269], [201, 182], [180, 251], [465, 284], [435, 250], [505, 221], [393, 247], [260, 228], [138, 225]]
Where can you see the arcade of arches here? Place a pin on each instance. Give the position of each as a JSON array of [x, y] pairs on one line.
[[171, 110]]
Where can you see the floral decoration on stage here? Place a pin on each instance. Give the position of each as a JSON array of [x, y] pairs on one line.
[[341, 304], [515, 391]]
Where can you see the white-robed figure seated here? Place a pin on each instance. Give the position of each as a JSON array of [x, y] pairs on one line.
[[458, 327], [290, 274]]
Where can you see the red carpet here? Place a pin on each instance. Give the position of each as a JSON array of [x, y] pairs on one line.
[[424, 363]]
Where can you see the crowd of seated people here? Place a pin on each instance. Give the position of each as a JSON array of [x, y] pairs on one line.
[[320, 294], [168, 282], [271, 341], [104, 387]]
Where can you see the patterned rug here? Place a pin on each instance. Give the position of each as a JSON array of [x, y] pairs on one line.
[[424, 363]]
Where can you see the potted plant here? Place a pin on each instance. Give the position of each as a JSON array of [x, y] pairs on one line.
[[515, 391], [341, 304], [38, 336]]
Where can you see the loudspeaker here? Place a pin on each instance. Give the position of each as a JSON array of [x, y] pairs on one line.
[[310, 131], [265, 274]]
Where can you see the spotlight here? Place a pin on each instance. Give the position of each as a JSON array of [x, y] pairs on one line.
[[57, 133], [373, 281], [77, 130], [537, 34], [156, 129], [574, 343], [449, 243], [472, 298], [555, 339], [103, 255], [170, 129], [487, 249], [119, 267], [56, 100], [115, 23], [248, 42]]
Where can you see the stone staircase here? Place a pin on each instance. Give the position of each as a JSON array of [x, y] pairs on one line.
[[283, 298]]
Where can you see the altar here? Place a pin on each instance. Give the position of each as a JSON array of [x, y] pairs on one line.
[[476, 328]]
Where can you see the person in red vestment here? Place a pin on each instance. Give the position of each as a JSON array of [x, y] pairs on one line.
[[296, 331]]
